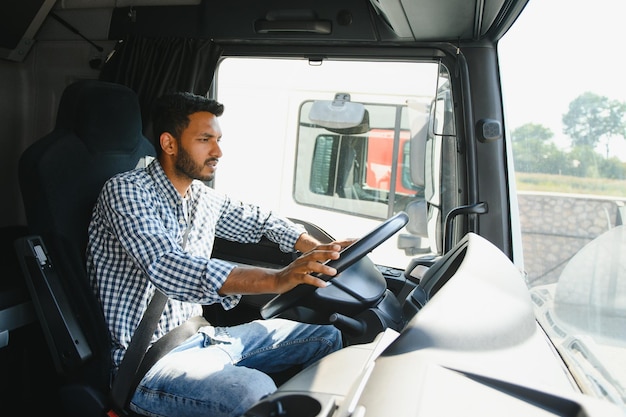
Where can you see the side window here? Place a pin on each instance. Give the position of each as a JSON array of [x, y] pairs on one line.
[[323, 168], [337, 164]]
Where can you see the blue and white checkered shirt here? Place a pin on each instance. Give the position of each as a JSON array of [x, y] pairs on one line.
[[141, 237]]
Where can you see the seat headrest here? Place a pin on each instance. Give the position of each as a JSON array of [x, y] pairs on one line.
[[105, 116], [66, 112]]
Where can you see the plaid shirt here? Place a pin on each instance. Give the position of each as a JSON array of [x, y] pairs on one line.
[[140, 229]]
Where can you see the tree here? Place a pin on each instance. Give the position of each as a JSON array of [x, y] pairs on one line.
[[533, 150], [531, 131], [591, 118]]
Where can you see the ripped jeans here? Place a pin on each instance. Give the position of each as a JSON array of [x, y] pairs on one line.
[[222, 371]]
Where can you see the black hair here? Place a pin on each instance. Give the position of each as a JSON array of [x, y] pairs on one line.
[[171, 112]]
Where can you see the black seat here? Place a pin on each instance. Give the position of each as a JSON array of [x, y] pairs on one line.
[[98, 133]]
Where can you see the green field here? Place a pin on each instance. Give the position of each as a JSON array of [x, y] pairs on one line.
[[570, 185]]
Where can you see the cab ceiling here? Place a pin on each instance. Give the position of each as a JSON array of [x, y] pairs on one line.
[[348, 20]]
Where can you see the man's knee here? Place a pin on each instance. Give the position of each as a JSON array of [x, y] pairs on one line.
[[334, 337], [248, 389]]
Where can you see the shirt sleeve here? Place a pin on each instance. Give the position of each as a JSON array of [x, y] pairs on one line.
[[247, 223]]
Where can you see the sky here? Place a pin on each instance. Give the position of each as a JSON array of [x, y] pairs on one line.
[[556, 51]]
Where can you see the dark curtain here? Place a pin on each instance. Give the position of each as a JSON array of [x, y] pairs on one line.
[[154, 66]]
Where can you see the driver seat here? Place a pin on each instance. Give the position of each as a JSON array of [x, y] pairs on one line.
[[98, 133]]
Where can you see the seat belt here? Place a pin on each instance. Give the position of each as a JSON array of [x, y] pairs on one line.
[[120, 389], [138, 359]]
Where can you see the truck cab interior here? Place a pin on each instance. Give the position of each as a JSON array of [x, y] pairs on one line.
[[405, 148]]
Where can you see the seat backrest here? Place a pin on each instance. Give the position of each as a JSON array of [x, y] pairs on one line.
[[98, 133]]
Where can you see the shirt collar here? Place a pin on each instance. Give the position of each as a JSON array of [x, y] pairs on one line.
[[156, 171], [162, 181]]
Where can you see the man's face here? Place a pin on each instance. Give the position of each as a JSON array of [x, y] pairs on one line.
[[199, 149]]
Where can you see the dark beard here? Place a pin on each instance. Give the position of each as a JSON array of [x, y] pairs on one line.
[[187, 167]]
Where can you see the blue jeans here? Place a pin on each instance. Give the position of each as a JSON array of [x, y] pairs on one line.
[[222, 371]]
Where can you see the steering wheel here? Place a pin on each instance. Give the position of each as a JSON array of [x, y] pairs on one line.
[[357, 285]]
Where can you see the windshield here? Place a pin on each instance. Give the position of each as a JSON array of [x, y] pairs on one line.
[[352, 148]]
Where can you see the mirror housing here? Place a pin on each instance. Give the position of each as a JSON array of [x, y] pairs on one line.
[[340, 115]]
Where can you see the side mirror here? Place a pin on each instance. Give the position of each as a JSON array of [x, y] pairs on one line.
[[419, 113], [417, 227], [340, 115]]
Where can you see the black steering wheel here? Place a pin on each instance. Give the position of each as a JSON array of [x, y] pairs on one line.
[[357, 285]]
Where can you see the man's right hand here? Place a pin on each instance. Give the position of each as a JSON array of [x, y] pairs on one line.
[[253, 280]]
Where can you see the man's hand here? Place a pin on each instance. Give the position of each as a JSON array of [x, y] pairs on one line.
[[251, 280], [311, 262]]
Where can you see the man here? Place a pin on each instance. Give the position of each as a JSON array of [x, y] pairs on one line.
[[154, 228]]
